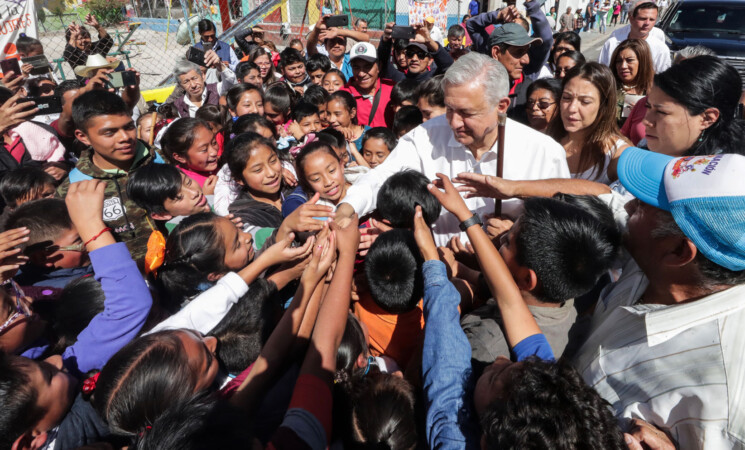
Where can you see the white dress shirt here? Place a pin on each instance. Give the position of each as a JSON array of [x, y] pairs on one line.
[[678, 367], [655, 40], [431, 148]]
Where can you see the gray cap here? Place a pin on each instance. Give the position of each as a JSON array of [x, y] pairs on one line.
[[511, 34]]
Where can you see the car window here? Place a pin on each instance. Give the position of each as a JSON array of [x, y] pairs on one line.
[[709, 19]]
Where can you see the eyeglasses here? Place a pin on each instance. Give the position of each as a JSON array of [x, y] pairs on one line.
[[542, 104], [421, 54], [22, 308], [68, 248]]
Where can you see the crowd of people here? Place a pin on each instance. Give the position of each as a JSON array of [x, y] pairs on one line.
[[311, 248]]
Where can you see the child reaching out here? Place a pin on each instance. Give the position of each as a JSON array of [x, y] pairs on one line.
[[190, 144], [502, 392]]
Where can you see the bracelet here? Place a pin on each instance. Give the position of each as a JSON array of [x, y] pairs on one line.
[[473, 220], [96, 236]]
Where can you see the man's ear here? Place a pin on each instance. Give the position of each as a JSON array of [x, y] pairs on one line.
[[681, 252], [82, 137], [27, 441], [503, 105], [164, 216], [496, 52]]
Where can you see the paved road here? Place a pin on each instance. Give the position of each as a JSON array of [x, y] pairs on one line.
[[592, 43]]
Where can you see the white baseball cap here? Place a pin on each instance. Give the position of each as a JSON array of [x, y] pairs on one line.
[[364, 50]]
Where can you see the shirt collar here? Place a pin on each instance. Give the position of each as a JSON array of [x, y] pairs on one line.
[[663, 322]]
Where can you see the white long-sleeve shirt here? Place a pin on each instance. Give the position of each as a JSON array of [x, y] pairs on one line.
[[207, 309], [655, 40], [432, 148]]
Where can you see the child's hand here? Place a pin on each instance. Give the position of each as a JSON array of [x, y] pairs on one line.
[[324, 254], [304, 218], [348, 238], [496, 227], [237, 221], [463, 253], [423, 236], [283, 251], [13, 112], [56, 171], [91, 20], [289, 178], [370, 234], [450, 199], [27, 68], [209, 185], [10, 257], [84, 202], [448, 257], [295, 130]]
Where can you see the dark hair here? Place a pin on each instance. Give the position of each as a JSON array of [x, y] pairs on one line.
[[33, 86], [569, 243], [539, 392], [318, 62], [338, 72], [280, 97], [46, 220], [65, 86], [152, 184], [206, 25], [456, 31], [218, 114], [179, 137], [405, 90], [295, 41], [302, 110], [346, 99], [235, 93], [432, 90], [577, 57], [358, 20], [96, 103], [24, 44], [382, 133], [378, 411], [335, 137], [406, 119], [24, 183], [80, 301], [238, 152], [400, 45], [316, 95], [259, 51], [141, 381], [570, 37], [393, 267], [645, 71], [19, 412], [252, 122], [708, 82], [352, 345], [5, 94], [308, 150], [198, 422], [244, 68], [644, 5], [290, 56], [194, 249], [246, 327], [550, 84], [399, 195], [83, 32], [604, 131]]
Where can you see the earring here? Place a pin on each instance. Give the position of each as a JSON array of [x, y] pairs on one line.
[[701, 138]]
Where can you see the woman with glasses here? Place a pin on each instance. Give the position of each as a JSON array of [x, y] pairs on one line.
[[633, 69], [543, 96], [587, 127], [263, 58]]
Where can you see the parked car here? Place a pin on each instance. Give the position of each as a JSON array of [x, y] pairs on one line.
[[716, 24]]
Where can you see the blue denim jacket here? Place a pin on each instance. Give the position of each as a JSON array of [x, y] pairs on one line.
[[446, 365]]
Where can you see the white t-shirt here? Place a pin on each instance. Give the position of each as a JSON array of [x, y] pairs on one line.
[[655, 40]]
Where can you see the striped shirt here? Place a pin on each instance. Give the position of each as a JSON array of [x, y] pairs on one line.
[[678, 367]]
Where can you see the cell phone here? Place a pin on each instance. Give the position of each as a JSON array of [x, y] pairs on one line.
[[402, 32], [122, 79], [46, 105], [39, 63], [341, 20], [196, 56], [10, 65]]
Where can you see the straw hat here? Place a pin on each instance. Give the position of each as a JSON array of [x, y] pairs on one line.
[[95, 62]]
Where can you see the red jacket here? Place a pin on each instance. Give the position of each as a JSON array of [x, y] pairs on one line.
[[383, 117]]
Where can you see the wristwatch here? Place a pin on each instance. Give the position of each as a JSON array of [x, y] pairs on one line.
[[475, 219]]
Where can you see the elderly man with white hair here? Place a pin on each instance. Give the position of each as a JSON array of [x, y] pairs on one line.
[[465, 140]]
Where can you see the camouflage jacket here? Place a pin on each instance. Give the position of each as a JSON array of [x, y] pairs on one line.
[[129, 223]]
